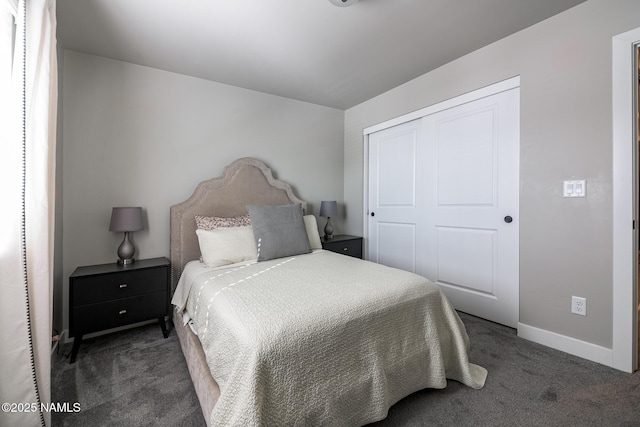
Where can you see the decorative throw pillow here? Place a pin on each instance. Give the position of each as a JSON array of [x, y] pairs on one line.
[[213, 222], [279, 231], [227, 245], [312, 232]]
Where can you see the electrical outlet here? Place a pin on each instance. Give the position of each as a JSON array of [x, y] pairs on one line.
[[579, 306]]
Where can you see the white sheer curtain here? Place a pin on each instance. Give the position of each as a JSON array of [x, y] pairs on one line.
[[28, 100]]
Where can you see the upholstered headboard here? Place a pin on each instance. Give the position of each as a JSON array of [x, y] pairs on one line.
[[246, 181]]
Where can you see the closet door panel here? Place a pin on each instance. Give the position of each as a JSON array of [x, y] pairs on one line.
[[395, 205], [472, 186]]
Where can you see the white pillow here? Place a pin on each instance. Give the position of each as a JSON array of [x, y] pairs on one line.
[[227, 245], [312, 232]]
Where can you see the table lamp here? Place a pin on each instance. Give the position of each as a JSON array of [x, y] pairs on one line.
[[126, 219], [327, 210]]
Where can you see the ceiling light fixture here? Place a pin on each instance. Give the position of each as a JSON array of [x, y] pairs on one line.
[[343, 3]]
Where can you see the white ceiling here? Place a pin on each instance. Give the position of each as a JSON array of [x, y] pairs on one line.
[[308, 50]]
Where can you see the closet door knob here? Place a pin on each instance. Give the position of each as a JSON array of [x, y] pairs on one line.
[[508, 219], [373, 214]]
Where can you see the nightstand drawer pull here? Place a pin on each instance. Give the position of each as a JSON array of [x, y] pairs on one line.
[[122, 312], [345, 249], [123, 285]]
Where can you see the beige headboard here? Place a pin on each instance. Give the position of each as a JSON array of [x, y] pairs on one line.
[[246, 181]]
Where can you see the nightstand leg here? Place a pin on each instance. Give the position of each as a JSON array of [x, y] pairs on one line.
[[74, 350], [163, 326]]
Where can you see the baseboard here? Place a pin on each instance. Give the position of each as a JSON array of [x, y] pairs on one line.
[[60, 341], [573, 346]]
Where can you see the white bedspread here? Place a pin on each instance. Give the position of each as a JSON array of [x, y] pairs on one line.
[[322, 339]]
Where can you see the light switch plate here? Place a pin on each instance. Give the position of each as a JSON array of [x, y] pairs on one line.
[[574, 188]]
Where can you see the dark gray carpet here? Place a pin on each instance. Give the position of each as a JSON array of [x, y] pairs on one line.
[[138, 378], [528, 385], [130, 378]]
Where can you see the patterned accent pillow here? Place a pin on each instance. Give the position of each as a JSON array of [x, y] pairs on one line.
[[214, 222]]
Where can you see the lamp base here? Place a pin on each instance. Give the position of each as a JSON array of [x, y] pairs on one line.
[[328, 230], [126, 250]]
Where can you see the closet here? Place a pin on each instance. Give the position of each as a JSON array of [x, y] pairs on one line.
[[442, 198]]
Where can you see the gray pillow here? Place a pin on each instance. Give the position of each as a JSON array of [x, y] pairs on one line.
[[279, 231]]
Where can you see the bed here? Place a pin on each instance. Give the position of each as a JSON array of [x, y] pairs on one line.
[[309, 338]]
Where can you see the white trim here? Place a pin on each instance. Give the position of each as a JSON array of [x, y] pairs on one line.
[[365, 200], [492, 89], [583, 349], [624, 353]]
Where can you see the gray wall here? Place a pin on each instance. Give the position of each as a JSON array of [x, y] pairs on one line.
[[137, 136], [566, 133]]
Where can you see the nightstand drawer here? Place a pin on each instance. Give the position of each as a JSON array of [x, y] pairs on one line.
[[111, 314], [92, 289], [346, 245]]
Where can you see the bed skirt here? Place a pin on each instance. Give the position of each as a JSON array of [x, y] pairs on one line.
[[206, 387]]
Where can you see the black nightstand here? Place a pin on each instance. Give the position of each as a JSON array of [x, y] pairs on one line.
[[343, 244], [110, 295]]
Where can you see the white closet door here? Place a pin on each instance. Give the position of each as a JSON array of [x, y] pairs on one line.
[[395, 204], [472, 164], [443, 202]]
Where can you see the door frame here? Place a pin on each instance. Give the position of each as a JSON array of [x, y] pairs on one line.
[[625, 202], [502, 86]]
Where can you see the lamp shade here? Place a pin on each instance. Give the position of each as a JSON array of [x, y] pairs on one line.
[[328, 209], [126, 219]]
